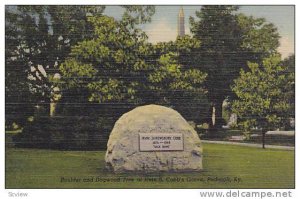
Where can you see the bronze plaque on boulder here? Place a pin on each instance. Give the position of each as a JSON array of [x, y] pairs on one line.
[[161, 141]]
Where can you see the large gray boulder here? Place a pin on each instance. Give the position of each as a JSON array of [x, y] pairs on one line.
[[124, 153]]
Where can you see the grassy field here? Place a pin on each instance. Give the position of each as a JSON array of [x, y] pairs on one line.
[[225, 166]]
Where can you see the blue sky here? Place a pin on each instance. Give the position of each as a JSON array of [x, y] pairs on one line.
[[164, 22]]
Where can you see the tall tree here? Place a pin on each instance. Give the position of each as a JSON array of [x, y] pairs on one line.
[[37, 39], [174, 80], [264, 95], [119, 66], [109, 67], [17, 94], [289, 62], [228, 41]]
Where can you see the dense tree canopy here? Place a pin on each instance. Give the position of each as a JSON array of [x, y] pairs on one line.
[[175, 81], [119, 66], [38, 38], [228, 41], [290, 63], [109, 65], [264, 93], [106, 66]]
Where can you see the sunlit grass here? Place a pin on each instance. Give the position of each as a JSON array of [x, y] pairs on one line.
[[225, 166]]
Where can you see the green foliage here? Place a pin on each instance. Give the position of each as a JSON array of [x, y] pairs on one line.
[[228, 41], [136, 14], [65, 133], [290, 63], [17, 87], [173, 76], [175, 81], [38, 39], [118, 66], [217, 28], [258, 36], [263, 94], [110, 65], [43, 37]]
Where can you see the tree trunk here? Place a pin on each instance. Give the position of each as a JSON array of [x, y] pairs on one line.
[[211, 115], [215, 123], [263, 138], [218, 115]]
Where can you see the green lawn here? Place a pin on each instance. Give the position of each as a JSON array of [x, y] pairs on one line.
[[225, 166]]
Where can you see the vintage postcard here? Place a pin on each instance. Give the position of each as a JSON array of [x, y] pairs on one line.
[[150, 96]]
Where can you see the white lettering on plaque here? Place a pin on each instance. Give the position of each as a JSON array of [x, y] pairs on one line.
[[161, 141]]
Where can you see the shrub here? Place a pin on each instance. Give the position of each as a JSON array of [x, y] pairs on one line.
[[66, 132]]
